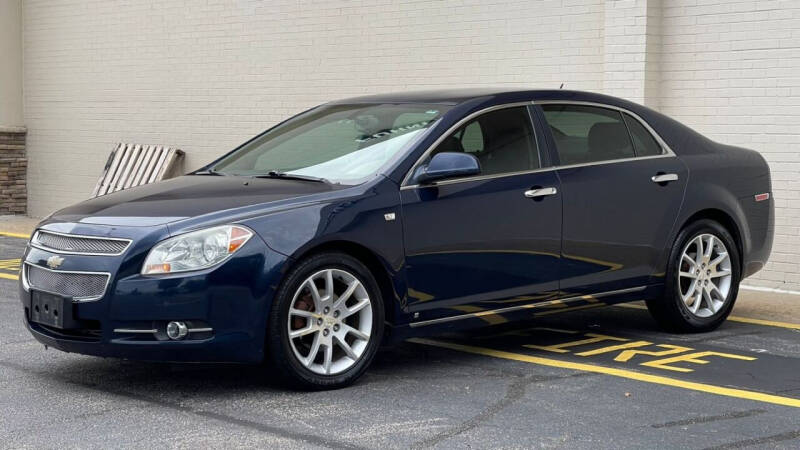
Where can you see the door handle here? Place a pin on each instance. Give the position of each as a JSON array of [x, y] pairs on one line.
[[541, 192], [664, 178]]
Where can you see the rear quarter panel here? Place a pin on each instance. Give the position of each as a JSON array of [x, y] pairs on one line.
[[722, 178], [726, 179]]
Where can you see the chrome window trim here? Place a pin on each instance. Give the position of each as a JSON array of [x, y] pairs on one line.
[[34, 243], [477, 178], [668, 153], [27, 285], [404, 184], [525, 306], [614, 161]]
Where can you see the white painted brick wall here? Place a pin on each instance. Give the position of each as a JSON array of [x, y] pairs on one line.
[[632, 50], [731, 70], [204, 75]]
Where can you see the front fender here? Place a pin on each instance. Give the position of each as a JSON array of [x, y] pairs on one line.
[[364, 220]]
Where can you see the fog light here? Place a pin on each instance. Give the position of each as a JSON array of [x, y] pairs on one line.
[[177, 330]]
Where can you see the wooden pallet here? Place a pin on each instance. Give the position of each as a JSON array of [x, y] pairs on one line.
[[131, 165]]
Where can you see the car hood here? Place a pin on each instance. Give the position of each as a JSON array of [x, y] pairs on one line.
[[187, 196]]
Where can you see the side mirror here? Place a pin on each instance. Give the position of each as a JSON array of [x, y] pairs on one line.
[[447, 165]]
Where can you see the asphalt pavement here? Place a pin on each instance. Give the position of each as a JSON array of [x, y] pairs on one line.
[[594, 377]]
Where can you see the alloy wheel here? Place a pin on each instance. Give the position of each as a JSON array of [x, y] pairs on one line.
[[330, 321], [705, 275]]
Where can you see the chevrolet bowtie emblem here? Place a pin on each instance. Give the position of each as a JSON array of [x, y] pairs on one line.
[[54, 261]]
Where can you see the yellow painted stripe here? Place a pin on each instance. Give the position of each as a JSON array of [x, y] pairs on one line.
[[9, 276], [769, 323], [621, 373], [16, 235]]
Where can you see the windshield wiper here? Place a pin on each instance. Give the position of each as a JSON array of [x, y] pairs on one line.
[[292, 176], [210, 172]]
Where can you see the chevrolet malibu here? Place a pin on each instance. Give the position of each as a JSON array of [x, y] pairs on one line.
[[374, 219]]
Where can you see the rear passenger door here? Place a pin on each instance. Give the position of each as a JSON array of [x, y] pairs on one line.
[[616, 216]]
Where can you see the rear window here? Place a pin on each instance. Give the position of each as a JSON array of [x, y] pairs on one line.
[[586, 134]]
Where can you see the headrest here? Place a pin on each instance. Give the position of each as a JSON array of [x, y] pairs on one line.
[[608, 138], [450, 144]]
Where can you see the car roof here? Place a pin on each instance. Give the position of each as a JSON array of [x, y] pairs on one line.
[[446, 96], [500, 94]]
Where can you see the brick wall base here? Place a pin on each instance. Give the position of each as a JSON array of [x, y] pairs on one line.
[[13, 171]]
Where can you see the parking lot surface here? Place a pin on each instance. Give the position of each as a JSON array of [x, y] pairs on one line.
[[587, 377]]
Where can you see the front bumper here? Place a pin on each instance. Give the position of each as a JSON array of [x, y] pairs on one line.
[[232, 300]]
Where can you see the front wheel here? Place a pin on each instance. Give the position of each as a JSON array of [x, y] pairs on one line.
[[702, 279], [326, 323]]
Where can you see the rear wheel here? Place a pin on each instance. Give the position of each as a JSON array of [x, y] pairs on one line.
[[326, 323], [702, 279]]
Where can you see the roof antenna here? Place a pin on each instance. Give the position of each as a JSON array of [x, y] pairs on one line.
[[562, 86]]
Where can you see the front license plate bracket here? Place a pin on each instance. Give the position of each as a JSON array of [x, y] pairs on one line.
[[52, 310]]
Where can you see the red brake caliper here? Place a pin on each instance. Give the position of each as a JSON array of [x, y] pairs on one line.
[[304, 303]]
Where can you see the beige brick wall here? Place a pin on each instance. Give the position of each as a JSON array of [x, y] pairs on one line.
[[206, 75], [631, 50]]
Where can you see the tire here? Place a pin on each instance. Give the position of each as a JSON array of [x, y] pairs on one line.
[[675, 314], [325, 322]]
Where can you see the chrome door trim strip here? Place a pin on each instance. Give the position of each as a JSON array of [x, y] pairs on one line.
[[668, 153], [525, 306], [27, 287], [34, 243]]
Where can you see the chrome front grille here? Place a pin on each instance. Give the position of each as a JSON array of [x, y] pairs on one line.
[[81, 245], [81, 286]]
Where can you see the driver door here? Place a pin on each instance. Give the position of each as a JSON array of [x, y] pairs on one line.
[[484, 242]]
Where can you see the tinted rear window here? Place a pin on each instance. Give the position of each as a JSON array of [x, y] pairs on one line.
[[586, 134]]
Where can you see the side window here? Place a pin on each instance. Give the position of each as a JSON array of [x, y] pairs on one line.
[[643, 142], [586, 134], [502, 140]]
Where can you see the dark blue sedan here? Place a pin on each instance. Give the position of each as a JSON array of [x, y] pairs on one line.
[[378, 218]]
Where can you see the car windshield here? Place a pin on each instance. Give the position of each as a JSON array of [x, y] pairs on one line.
[[341, 143]]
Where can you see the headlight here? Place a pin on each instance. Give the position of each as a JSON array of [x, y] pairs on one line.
[[195, 250]]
